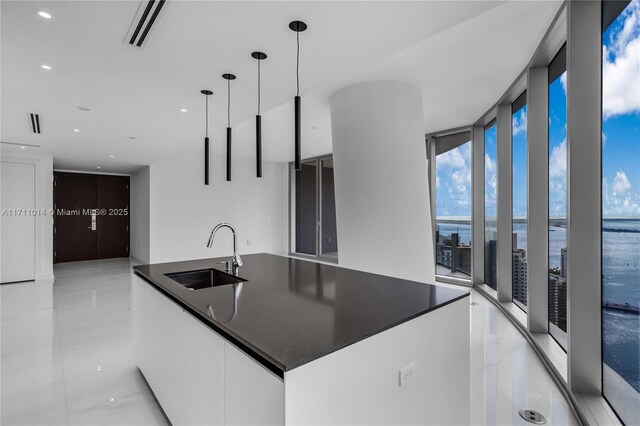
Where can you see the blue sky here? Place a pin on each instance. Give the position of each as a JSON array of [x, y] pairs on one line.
[[620, 137]]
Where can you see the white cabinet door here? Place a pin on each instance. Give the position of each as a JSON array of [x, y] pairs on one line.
[[182, 359], [253, 395], [18, 232], [202, 368]]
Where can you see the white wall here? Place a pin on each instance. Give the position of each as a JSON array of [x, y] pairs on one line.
[[382, 193], [43, 202], [139, 214], [184, 210]]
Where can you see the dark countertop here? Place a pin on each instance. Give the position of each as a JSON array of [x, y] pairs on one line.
[[291, 311]]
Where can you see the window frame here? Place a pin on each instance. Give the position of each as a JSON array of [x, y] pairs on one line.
[[556, 68], [517, 105], [491, 123], [430, 142]]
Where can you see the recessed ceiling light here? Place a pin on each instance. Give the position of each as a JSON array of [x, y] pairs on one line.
[[76, 130], [44, 14], [83, 108], [46, 67], [23, 147], [112, 156], [183, 110], [98, 167]]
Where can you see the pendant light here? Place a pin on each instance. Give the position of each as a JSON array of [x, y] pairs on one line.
[[228, 77], [260, 57], [298, 27], [206, 94]]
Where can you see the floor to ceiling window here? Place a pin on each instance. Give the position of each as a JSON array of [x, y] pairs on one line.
[[453, 205], [519, 197], [314, 227], [621, 208], [490, 204], [558, 198]]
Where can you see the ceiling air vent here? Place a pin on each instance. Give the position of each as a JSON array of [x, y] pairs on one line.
[[142, 25], [35, 123]]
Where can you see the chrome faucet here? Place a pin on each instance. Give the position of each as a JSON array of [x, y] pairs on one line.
[[236, 260]]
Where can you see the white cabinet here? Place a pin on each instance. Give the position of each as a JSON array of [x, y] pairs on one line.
[[197, 376], [248, 382], [200, 378]]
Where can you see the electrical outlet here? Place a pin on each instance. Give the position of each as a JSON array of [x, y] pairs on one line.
[[406, 373]]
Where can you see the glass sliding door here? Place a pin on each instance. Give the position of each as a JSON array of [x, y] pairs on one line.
[[621, 209], [306, 208], [558, 198], [519, 197], [453, 205], [314, 228], [490, 204]]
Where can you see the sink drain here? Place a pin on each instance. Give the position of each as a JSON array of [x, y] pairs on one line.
[[533, 417]]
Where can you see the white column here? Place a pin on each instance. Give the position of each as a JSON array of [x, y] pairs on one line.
[[381, 181], [584, 149], [477, 215], [504, 255], [538, 199]]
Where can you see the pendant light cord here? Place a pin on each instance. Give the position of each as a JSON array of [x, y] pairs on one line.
[[228, 103], [258, 86], [297, 63]]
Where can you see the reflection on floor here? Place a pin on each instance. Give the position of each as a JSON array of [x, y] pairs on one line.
[[67, 359], [506, 374]]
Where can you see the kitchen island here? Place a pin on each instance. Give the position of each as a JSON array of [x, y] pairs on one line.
[[289, 341]]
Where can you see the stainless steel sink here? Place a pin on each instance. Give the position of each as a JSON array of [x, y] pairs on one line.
[[204, 278]]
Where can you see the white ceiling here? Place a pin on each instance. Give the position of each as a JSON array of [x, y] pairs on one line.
[[462, 55]]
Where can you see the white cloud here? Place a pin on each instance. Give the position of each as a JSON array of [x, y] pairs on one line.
[[489, 165], [490, 185], [558, 180], [563, 81], [621, 183], [453, 182], [454, 158], [623, 203], [519, 125], [558, 161], [621, 68]]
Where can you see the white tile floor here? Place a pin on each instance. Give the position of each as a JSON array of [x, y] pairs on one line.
[[66, 358]]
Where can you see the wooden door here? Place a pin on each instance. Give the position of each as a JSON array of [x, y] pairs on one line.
[[92, 217], [113, 220], [74, 198]]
